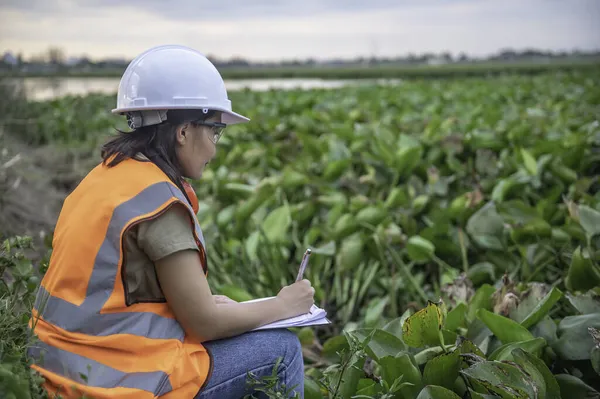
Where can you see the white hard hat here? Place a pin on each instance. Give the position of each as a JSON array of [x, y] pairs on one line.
[[172, 77]]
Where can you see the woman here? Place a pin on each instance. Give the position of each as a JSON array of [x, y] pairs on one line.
[[125, 310]]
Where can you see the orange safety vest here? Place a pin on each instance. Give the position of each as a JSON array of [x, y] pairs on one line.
[[93, 342]]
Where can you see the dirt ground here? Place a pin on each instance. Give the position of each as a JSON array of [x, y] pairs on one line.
[[34, 181]]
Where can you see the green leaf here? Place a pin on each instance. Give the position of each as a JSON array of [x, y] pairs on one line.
[[395, 326], [573, 387], [419, 249], [332, 346], [436, 392], [542, 376], [466, 346], [482, 272], [351, 376], [542, 308], [456, 317], [504, 379], [505, 351], [423, 327], [585, 303], [277, 223], [394, 367], [367, 387], [311, 389], [481, 300], [442, 370], [574, 341], [306, 336], [351, 252], [505, 329], [486, 228], [582, 274], [590, 220], [477, 395], [381, 344], [529, 161], [375, 310], [327, 249]]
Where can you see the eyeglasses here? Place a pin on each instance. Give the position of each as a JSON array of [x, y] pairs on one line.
[[216, 128]]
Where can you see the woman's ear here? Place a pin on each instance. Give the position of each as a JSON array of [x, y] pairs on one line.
[[181, 133]]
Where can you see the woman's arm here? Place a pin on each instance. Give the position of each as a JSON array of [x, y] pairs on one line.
[[187, 291]]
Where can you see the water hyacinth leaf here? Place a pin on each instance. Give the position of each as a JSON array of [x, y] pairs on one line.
[[351, 377], [505, 329], [367, 387], [251, 245], [477, 395], [585, 303], [335, 169], [442, 370], [291, 178], [481, 300], [542, 308], [371, 215], [277, 224], [483, 272], [466, 346], [589, 219], [312, 389], [394, 327], [503, 379], [574, 340], [332, 346], [344, 226], [456, 317], [402, 365], [529, 162], [327, 249], [419, 249], [381, 344], [408, 155], [436, 392], [423, 328], [573, 387], [351, 252], [542, 376], [486, 228], [306, 336], [504, 352], [595, 355], [583, 274], [375, 310]]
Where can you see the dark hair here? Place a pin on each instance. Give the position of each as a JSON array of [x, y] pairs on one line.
[[156, 142]]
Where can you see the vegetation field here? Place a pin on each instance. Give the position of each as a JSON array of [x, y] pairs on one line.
[[455, 226], [366, 71]]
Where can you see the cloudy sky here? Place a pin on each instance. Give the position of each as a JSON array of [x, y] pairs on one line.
[[297, 29]]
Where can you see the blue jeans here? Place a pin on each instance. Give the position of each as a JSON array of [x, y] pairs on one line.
[[255, 352]]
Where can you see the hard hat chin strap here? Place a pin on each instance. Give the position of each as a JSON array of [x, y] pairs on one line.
[[137, 119]]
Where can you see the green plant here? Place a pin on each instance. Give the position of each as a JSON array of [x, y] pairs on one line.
[[17, 293]]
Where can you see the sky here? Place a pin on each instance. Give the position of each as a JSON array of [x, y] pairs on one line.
[[269, 30]]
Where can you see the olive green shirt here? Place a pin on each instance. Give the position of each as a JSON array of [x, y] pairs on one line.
[[148, 242]]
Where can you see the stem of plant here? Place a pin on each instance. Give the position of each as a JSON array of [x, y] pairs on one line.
[[463, 250], [442, 341], [407, 274]]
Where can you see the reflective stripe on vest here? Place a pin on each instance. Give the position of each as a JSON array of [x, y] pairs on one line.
[[87, 319], [64, 363]]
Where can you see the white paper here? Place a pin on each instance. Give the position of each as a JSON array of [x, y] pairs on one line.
[[315, 316]]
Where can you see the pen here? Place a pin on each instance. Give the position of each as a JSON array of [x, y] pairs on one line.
[[303, 264]]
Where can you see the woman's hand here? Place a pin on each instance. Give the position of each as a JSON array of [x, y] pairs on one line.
[[297, 298], [222, 299]]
